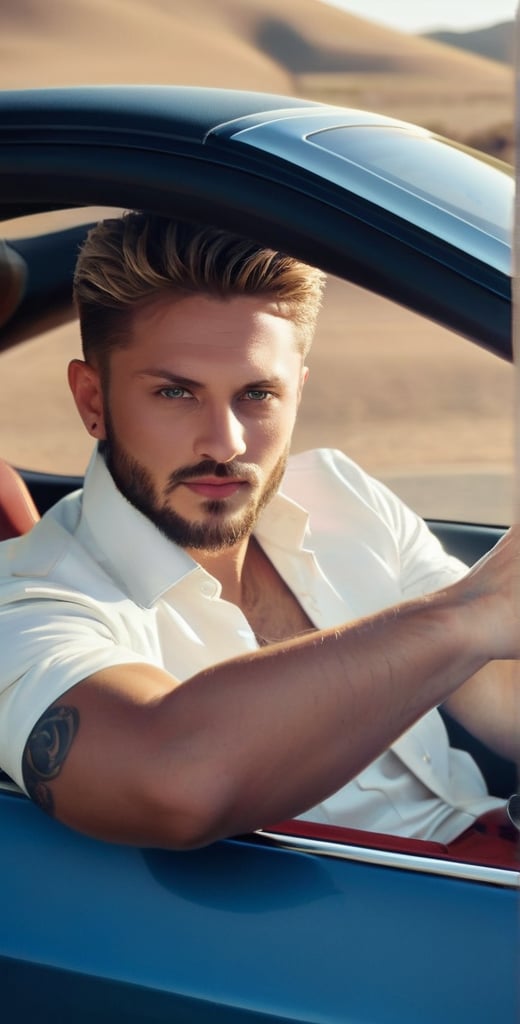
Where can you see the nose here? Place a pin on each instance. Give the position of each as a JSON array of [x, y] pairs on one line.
[[221, 437]]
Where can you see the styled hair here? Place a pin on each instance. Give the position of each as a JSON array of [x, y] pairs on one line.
[[131, 261]]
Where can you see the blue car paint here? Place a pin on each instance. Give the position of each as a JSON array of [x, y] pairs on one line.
[[309, 938]]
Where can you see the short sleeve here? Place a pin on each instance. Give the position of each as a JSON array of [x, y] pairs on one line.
[[47, 647], [424, 565], [357, 513]]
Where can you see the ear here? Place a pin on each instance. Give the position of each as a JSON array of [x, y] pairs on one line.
[[85, 384]]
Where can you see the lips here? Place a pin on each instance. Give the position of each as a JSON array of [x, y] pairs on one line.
[[214, 489]]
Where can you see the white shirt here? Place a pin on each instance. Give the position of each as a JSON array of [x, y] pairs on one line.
[[95, 584]]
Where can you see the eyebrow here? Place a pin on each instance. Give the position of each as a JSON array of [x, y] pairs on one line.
[[177, 378], [174, 378]]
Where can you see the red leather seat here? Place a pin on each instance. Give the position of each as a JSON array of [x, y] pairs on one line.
[[18, 513]]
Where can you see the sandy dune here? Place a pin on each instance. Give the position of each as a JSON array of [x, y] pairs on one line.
[[300, 46], [402, 396]]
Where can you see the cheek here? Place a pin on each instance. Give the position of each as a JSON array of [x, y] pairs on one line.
[[274, 435], [133, 416], [288, 416]]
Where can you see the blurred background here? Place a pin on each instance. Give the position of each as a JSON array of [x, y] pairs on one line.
[[414, 404]]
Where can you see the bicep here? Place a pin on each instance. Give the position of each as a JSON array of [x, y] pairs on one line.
[[88, 758], [47, 647]]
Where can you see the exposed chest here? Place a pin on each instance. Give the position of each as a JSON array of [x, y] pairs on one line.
[[269, 605]]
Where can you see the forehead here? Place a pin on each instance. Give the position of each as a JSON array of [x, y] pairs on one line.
[[205, 323], [202, 337]]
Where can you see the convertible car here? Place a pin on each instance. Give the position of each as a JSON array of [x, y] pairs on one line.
[[296, 922]]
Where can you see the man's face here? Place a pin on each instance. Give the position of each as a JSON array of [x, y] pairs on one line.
[[199, 413]]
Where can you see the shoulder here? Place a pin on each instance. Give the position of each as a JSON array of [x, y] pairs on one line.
[[323, 463], [37, 552], [349, 509], [50, 563], [323, 475]]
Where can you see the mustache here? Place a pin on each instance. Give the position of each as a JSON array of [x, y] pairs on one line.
[[223, 470]]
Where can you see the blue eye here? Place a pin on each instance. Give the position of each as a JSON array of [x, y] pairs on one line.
[[174, 392], [255, 395]]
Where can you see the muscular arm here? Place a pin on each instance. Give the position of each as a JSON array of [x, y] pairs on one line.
[[488, 705], [140, 759]]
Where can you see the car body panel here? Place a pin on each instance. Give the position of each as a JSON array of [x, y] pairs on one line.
[[244, 925]]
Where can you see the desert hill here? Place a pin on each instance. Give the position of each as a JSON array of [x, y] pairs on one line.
[[495, 42], [299, 47], [48, 43]]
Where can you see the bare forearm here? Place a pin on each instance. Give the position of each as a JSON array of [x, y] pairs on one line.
[[488, 705], [276, 732], [267, 735]]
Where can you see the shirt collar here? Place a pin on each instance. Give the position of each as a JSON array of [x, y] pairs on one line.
[[139, 557], [283, 523]]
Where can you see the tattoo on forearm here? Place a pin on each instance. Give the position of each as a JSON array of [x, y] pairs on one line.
[[46, 751]]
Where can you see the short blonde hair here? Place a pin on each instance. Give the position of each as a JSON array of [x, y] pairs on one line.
[[131, 261]]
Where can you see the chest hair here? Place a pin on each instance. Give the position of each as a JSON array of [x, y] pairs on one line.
[[268, 604]]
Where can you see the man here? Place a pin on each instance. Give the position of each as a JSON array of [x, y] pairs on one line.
[[208, 639]]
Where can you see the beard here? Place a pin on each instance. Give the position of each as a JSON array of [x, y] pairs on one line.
[[220, 528]]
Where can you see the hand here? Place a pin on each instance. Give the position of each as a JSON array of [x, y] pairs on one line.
[[491, 592]]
